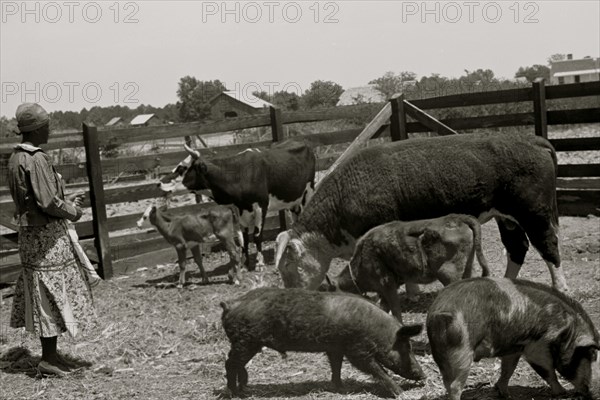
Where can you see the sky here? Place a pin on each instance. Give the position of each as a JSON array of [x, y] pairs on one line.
[[68, 55]]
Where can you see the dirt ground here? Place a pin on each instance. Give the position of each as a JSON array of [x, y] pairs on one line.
[[158, 342]]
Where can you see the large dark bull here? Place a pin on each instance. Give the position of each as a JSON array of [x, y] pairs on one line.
[[509, 177]]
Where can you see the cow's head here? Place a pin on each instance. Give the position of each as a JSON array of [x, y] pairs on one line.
[[189, 174]]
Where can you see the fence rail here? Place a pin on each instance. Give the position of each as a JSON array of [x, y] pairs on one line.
[[579, 193]]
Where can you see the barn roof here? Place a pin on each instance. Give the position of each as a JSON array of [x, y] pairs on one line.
[[141, 119], [113, 121], [246, 98], [575, 67], [364, 94]]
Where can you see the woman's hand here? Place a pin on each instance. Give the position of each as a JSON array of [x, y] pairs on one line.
[[76, 198]]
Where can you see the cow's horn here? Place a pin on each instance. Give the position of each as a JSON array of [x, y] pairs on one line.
[[282, 240], [194, 153]]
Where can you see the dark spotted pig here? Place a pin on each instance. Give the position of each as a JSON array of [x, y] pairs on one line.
[[498, 317], [413, 252], [338, 324]]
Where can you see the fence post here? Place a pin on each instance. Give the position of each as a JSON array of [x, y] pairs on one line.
[[398, 118], [539, 108], [94, 172], [277, 134]]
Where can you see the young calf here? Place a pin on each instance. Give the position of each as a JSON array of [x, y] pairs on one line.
[[414, 252], [190, 230], [337, 324], [498, 317]]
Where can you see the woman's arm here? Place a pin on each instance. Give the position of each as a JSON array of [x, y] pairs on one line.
[[43, 182]]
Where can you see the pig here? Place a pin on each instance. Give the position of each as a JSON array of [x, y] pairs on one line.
[[509, 318], [412, 252], [338, 324]]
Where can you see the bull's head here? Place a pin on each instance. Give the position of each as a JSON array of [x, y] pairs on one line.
[[300, 264], [187, 175]]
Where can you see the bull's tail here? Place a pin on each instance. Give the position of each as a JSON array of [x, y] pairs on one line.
[[545, 144], [475, 227], [235, 214]]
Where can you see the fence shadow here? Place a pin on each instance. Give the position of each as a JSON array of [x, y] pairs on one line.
[[216, 276]]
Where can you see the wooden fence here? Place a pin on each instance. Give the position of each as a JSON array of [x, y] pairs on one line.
[[577, 196]]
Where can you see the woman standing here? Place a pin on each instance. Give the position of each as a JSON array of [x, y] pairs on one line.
[[52, 294]]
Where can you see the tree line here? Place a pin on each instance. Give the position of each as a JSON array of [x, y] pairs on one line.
[[194, 96]]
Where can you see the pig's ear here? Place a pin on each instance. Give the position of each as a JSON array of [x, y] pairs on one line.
[[410, 330]]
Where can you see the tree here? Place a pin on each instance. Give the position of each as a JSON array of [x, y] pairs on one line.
[[284, 100], [194, 96], [390, 83], [480, 75], [322, 94], [8, 127], [533, 72]]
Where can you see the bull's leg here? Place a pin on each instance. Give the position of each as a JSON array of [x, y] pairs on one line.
[[197, 253], [508, 365], [335, 361], [516, 243], [370, 366], [294, 214], [182, 261], [261, 216], [544, 237]]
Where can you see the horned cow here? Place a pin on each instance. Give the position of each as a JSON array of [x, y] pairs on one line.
[[279, 178], [511, 177]]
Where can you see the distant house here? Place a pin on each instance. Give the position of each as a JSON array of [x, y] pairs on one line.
[[114, 122], [574, 71], [231, 104], [360, 95], [145, 120]]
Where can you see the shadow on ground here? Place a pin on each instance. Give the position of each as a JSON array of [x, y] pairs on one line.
[[300, 389], [19, 360], [517, 392]]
